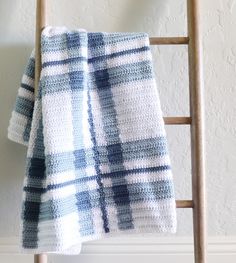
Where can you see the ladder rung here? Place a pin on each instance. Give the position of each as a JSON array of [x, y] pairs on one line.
[[184, 203], [169, 40], [177, 120]]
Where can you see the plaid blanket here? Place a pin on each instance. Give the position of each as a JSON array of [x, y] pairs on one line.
[[97, 158]]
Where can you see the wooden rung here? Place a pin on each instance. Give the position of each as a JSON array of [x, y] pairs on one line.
[[169, 40], [40, 258], [177, 120], [184, 203]]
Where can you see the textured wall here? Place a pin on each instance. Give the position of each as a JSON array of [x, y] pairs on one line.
[[160, 18]]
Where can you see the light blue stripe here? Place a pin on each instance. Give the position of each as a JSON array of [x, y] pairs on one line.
[[117, 75], [30, 68], [59, 42], [24, 106], [138, 192], [134, 150], [77, 98]]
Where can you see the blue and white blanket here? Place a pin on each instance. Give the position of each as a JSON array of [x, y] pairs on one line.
[[97, 158]]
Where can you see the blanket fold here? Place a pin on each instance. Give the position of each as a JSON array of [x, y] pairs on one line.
[[97, 158]]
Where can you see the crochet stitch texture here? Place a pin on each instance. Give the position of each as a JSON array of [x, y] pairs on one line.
[[97, 159]]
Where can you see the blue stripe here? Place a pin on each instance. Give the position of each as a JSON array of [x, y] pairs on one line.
[[36, 169], [113, 38], [110, 127], [134, 72], [30, 68], [27, 87], [134, 150], [118, 54], [95, 59], [138, 192], [24, 106], [79, 159], [97, 164], [97, 168], [137, 71], [116, 174], [59, 42], [31, 210], [64, 61], [26, 134]]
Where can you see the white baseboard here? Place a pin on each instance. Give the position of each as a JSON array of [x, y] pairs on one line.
[[136, 249]]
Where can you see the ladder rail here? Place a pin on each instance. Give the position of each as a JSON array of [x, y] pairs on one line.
[[197, 131], [195, 120], [40, 24]]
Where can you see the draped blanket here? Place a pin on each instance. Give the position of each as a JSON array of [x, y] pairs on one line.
[[97, 158]]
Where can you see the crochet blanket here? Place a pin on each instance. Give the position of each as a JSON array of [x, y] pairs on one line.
[[97, 158]]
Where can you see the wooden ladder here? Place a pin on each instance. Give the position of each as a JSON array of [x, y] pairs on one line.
[[195, 120]]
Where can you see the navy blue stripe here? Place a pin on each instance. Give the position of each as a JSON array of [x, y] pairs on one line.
[[31, 212], [26, 134], [97, 168], [36, 168], [117, 174], [95, 59], [64, 61], [118, 54], [27, 87]]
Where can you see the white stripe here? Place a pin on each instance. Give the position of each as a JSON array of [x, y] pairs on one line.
[[63, 68], [62, 54], [27, 80], [54, 56], [37, 113], [144, 177], [58, 123], [26, 94], [16, 127], [63, 177], [128, 44], [60, 232], [97, 118], [59, 193], [149, 162]]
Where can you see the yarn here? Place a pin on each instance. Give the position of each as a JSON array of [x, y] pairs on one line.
[[97, 159]]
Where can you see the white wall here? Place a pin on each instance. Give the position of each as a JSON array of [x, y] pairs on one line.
[[160, 18]]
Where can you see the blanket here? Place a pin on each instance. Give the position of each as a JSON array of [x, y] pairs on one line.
[[97, 155]]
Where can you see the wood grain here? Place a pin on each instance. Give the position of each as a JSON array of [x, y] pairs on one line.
[[169, 40], [184, 204], [40, 24], [177, 120]]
